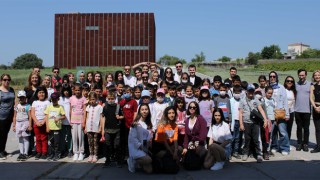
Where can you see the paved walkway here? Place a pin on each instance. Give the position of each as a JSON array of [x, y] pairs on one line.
[[297, 165]]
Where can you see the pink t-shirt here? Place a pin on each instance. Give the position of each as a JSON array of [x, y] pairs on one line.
[[77, 109]]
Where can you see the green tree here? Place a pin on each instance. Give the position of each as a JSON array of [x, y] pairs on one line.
[[224, 59], [4, 67], [170, 60], [310, 53], [199, 58], [271, 52], [27, 61], [253, 58]]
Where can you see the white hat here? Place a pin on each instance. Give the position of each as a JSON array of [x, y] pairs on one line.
[[21, 93]]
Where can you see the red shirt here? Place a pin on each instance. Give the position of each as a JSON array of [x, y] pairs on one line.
[[128, 108]]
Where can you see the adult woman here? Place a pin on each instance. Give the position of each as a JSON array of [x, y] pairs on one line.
[[195, 131], [280, 97], [97, 78], [219, 148], [137, 73], [47, 83], [90, 77], [109, 80], [166, 140], [81, 77], [140, 135], [184, 79], [118, 77], [6, 111], [315, 102], [290, 85], [169, 76]]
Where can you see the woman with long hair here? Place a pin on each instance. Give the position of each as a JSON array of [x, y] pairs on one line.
[[315, 102], [140, 136], [290, 86]]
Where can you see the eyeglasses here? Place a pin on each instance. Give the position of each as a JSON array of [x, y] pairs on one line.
[[6, 80], [127, 69], [55, 71], [145, 77], [169, 72], [178, 66], [192, 107], [289, 81]]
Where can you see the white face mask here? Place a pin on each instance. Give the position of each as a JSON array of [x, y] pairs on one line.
[[258, 96], [236, 96], [222, 93], [184, 81], [160, 99]]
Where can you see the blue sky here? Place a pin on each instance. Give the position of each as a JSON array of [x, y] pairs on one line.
[[183, 27]]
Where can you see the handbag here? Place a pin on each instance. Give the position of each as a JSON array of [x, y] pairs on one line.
[[254, 114], [279, 114]]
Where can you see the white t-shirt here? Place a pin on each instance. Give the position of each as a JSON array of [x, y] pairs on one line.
[[131, 80], [39, 107], [156, 113], [291, 100], [220, 132], [93, 118], [65, 102], [192, 79]]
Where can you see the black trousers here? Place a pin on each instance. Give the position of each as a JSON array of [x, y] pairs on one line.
[[5, 126], [316, 121], [54, 138], [251, 135], [303, 123], [124, 133], [113, 146], [289, 124]]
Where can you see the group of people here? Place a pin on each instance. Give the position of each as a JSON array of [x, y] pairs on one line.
[[157, 120]]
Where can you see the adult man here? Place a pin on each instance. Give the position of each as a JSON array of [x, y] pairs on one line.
[[302, 110], [128, 79], [55, 78], [36, 70], [233, 72], [195, 80], [177, 75]]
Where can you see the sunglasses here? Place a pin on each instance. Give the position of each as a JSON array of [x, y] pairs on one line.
[[55, 71], [289, 81], [192, 107], [169, 72], [6, 80], [272, 76], [178, 66]]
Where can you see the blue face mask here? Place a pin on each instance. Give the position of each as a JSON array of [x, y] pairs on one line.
[[126, 96]]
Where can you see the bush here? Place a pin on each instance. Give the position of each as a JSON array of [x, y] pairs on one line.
[[309, 65]]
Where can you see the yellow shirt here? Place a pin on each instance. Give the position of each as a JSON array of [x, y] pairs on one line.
[[53, 112]]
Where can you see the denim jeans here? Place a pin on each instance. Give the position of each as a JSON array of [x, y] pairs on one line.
[[236, 137], [279, 136]]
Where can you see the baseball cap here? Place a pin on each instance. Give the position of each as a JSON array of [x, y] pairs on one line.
[[21, 93], [250, 87], [145, 93], [160, 90], [204, 88], [55, 95]]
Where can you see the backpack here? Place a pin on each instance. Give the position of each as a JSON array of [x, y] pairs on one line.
[[166, 164], [192, 161]]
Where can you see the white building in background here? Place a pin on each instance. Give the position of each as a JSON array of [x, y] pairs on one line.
[[295, 49]]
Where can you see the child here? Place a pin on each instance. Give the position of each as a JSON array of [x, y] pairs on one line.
[[270, 107], [92, 125], [250, 127], [22, 125], [129, 107], [223, 102], [119, 86], [78, 106], [158, 108], [97, 88], [189, 97], [180, 106], [206, 105], [172, 94], [66, 138], [38, 116], [54, 115], [111, 129], [235, 125], [196, 91], [137, 93]]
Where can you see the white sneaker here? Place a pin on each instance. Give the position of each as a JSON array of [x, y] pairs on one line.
[[75, 157], [273, 151], [284, 153], [80, 158], [217, 166]]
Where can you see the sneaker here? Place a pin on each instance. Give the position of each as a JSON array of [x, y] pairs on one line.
[[305, 148], [24, 157], [37, 157], [273, 151], [56, 157], [70, 155], [299, 147], [266, 156], [259, 159], [75, 157], [316, 149], [44, 156], [90, 158], [50, 157], [245, 157], [19, 157], [131, 166], [236, 155], [217, 166], [3, 156], [118, 164], [284, 153], [80, 158], [94, 159]]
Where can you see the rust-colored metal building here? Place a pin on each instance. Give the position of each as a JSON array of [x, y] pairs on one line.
[[103, 39]]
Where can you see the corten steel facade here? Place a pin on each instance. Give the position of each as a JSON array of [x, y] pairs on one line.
[[103, 39]]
